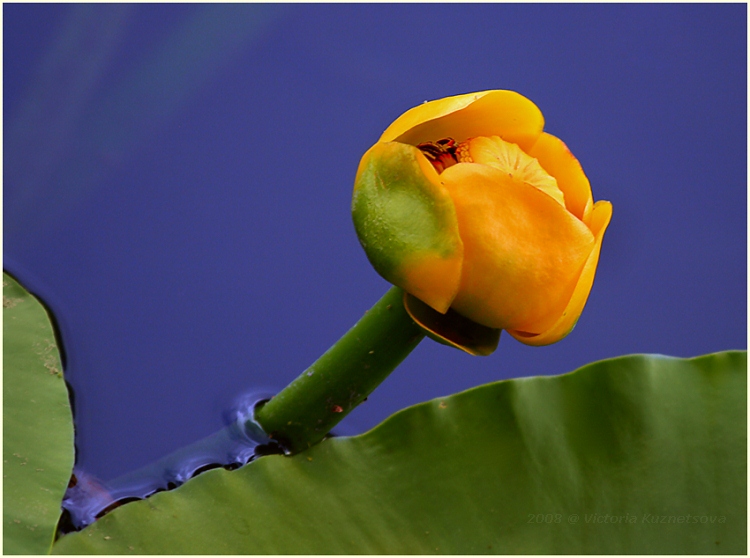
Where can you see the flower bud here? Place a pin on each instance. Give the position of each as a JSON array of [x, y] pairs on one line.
[[468, 205]]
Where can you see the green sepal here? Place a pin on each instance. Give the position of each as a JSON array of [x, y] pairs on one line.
[[407, 224]]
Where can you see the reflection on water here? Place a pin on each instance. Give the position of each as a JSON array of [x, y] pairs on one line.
[[238, 443]]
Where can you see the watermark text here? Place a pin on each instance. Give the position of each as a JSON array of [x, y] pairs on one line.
[[626, 518]]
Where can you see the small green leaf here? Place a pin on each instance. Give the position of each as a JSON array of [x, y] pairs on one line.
[[640, 454], [37, 425]]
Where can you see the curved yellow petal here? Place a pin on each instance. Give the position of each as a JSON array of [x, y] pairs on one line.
[[452, 329], [406, 222], [558, 161], [600, 218], [429, 110], [506, 114], [523, 251]]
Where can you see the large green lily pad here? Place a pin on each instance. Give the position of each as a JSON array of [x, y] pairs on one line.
[[37, 425], [640, 454]]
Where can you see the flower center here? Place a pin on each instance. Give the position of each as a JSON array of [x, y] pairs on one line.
[[441, 153], [494, 152]]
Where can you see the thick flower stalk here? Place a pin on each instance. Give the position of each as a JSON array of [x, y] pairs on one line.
[[468, 205], [307, 409]]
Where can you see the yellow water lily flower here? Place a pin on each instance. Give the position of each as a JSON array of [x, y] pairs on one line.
[[468, 205]]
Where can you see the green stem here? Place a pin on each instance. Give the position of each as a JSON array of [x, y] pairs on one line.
[[306, 410]]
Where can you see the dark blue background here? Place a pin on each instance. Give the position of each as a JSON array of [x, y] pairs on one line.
[[177, 183]]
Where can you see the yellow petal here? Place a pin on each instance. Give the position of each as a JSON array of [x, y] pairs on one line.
[[523, 251], [557, 160], [451, 328], [600, 218], [507, 114], [511, 159]]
